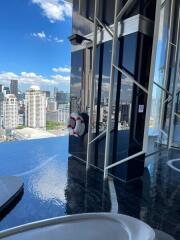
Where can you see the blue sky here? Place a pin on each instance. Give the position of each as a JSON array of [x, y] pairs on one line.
[[33, 43]]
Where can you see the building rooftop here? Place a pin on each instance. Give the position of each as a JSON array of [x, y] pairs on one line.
[[34, 88], [31, 133]]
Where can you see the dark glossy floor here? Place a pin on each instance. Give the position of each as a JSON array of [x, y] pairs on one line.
[[155, 198], [57, 185]]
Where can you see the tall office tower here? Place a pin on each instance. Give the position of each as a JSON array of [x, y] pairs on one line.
[[1, 88], [35, 108], [63, 112], [62, 97], [55, 91], [10, 112], [14, 87]]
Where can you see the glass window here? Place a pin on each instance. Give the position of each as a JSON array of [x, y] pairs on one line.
[[81, 24], [76, 78], [129, 45], [87, 9]]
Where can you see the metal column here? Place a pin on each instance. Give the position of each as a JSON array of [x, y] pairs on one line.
[[92, 84]]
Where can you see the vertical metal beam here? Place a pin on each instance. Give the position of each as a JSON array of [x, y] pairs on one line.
[[113, 58], [167, 63], [92, 84], [177, 66], [151, 77], [117, 17]]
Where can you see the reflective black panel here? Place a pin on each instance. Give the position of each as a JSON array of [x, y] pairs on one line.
[[81, 25], [76, 78]]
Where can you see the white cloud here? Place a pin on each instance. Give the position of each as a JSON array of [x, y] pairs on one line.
[[31, 78], [62, 70], [40, 35], [54, 10], [59, 78], [44, 36], [58, 40]]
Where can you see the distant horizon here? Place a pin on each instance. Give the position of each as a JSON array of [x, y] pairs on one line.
[[42, 88]]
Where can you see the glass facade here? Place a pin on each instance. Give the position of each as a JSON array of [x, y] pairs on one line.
[[129, 98], [163, 127]]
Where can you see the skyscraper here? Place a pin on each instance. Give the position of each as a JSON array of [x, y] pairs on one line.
[[10, 112], [14, 87], [35, 108], [1, 88]]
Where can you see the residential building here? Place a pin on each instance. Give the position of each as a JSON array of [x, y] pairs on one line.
[[63, 112], [10, 112], [14, 87], [35, 108]]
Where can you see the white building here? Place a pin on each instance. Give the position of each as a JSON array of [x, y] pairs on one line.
[[63, 112], [10, 112], [35, 108]]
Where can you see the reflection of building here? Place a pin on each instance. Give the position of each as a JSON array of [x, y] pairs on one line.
[[10, 109], [63, 112], [14, 87], [35, 108], [124, 115]]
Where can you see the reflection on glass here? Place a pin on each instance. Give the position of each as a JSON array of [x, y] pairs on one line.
[[176, 136], [76, 78], [128, 135], [81, 25], [161, 105], [102, 86], [162, 44]]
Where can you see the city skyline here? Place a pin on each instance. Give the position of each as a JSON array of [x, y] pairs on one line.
[[33, 41]]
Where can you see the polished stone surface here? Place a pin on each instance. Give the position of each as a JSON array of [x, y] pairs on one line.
[[57, 185], [10, 188]]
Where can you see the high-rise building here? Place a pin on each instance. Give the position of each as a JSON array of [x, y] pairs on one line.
[[62, 97], [47, 93], [1, 88], [35, 108], [55, 91], [6, 90], [14, 87], [10, 112], [51, 105], [63, 112]]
